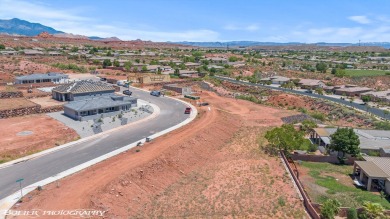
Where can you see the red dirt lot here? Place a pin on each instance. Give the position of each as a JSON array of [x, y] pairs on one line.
[[43, 133], [211, 168]]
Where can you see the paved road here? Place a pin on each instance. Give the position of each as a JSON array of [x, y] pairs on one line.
[[375, 111], [172, 113]]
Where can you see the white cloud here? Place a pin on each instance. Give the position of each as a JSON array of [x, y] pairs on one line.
[[251, 27], [70, 21], [360, 19], [35, 11]]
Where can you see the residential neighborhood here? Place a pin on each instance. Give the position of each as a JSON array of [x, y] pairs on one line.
[[161, 109]]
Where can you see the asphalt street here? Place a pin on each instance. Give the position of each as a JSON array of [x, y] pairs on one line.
[[172, 113], [375, 111]]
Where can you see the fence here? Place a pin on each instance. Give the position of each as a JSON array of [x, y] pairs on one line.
[[321, 158], [306, 201]]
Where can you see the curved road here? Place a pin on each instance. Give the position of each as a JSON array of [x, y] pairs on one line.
[[35, 170], [375, 111]]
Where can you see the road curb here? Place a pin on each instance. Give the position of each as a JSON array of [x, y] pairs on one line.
[[156, 112], [8, 202]]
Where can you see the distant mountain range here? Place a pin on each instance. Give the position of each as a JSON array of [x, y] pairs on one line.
[[256, 43], [17, 26], [22, 27]]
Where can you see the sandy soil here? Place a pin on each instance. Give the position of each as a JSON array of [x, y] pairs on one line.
[[212, 168], [46, 101], [15, 103], [40, 132]]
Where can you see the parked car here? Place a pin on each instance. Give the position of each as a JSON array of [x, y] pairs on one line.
[[127, 92], [204, 104], [309, 91], [155, 93], [187, 110], [103, 79]]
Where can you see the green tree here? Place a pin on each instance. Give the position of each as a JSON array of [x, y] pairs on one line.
[[116, 63], [128, 65], [74, 49], [372, 211], [330, 209], [321, 67], [345, 140], [366, 98], [106, 63], [340, 73], [285, 138], [109, 53], [144, 68], [2, 47], [233, 59], [319, 91], [307, 125], [333, 71]]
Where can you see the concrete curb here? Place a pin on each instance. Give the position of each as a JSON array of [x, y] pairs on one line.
[[8, 202], [156, 112]]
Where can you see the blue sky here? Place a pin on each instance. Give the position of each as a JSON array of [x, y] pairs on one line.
[[305, 21]]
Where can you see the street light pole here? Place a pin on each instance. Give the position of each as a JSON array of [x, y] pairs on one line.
[[20, 186]]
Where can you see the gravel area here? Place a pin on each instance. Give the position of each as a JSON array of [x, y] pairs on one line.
[[91, 127]]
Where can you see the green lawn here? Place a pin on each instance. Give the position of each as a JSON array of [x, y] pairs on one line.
[[365, 73], [327, 186]]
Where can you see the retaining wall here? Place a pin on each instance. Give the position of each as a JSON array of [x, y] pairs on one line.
[[9, 94], [28, 111]]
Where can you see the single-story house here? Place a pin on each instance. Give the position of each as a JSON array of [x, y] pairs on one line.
[[192, 65], [81, 90], [92, 108], [216, 67], [352, 91], [370, 140], [374, 168], [237, 64], [277, 79], [189, 74], [9, 52], [217, 59], [378, 95], [331, 89], [41, 78], [310, 84], [384, 152], [32, 52]]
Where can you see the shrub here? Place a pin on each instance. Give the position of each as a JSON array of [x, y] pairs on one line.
[[372, 210], [313, 147], [318, 115], [302, 110], [352, 213], [330, 209], [281, 201]]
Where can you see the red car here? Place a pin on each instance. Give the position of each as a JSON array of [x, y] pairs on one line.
[[187, 110]]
